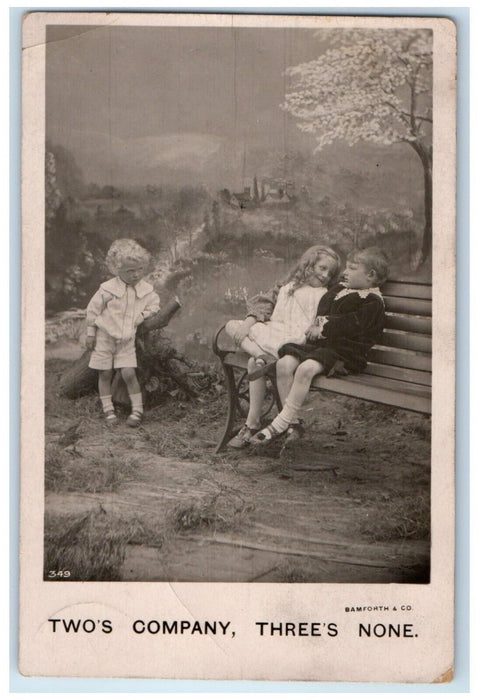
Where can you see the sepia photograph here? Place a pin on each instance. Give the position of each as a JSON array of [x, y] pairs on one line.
[[239, 249]]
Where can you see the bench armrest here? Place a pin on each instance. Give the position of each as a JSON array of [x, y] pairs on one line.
[[214, 343]]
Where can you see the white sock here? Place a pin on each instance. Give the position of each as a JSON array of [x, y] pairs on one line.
[[288, 415], [106, 403], [136, 403]]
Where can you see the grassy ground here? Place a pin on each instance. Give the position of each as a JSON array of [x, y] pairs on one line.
[[348, 503]]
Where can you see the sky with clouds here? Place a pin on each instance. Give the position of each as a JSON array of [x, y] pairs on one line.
[[189, 105], [129, 101]]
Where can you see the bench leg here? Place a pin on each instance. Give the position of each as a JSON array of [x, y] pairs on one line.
[[234, 392], [232, 400]]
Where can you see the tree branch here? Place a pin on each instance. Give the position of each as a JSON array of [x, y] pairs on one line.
[[399, 112], [422, 118]]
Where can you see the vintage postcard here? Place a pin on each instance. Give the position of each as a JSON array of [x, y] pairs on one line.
[[238, 331]]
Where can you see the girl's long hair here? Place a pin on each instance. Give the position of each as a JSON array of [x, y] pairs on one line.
[[303, 269]]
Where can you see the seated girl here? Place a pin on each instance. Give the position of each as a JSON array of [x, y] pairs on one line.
[[280, 316]]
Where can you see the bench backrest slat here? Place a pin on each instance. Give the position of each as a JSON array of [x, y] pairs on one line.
[[409, 360], [413, 307], [403, 374], [410, 290], [406, 341], [413, 324]]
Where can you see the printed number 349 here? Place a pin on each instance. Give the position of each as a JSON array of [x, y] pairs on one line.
[[59, 574]]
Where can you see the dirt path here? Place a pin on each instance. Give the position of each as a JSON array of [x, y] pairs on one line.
[[279, 523]]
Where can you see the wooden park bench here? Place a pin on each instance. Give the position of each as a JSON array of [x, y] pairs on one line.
[[398, 372]]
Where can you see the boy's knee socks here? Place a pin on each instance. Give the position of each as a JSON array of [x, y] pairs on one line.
[[106, 403], [288, 415], [136, 403]]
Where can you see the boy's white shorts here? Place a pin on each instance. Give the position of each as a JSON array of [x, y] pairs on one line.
[[110, 353]]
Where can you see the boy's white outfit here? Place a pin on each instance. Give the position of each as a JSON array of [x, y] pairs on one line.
[[113, 315]]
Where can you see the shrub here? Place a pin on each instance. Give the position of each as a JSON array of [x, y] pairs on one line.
[[90, 546]]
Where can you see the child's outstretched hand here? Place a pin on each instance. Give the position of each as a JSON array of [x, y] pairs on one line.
[[90, 342]]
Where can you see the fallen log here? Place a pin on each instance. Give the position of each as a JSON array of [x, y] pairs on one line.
[[162, 317]]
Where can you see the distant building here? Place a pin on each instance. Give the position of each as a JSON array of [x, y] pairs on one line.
[[242, 200], [273, 192], [274, 197]]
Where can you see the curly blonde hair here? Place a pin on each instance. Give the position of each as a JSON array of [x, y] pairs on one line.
[[304, 267], [125, 250]]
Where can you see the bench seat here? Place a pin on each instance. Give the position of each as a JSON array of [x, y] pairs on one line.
[[370, 387]]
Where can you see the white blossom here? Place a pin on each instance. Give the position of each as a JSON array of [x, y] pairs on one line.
[[371, 85]]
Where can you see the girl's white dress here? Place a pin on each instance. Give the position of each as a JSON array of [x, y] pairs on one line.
[[291, 317]]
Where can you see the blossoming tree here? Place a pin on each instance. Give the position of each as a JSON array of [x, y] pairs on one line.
[[370, 85]]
